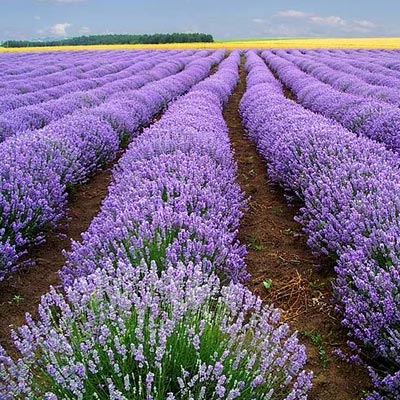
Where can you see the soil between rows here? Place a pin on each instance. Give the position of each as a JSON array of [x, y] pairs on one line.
[[278, 255]]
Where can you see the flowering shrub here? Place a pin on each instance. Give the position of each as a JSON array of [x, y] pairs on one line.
[[41, 165], [351, 189], [144, 315], [129, 333], [365, 116]]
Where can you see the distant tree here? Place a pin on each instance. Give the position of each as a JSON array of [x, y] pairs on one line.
[[116, 39]]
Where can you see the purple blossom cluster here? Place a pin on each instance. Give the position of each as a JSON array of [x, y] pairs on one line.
[[41, 165], [129, 331], [174, 196], [37, 170], [350, 186], [145, 313], [361, 66], [363, 115], [88, 93], [50, 71], [344, 77]]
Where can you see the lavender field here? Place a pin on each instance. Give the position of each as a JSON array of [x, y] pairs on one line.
[[168, 294]]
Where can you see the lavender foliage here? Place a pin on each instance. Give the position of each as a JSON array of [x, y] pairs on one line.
[[41, 165], [351, 189], [146, 317], [365, 116], [130, 332]]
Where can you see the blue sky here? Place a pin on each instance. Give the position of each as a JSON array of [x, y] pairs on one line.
[[26, 19]]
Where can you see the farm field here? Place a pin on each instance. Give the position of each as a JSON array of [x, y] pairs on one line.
[[281, 43], [201, 223]]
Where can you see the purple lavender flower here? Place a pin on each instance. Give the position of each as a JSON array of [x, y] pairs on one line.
[[135, 304], [350, 186], [174, 196], [41, 165]]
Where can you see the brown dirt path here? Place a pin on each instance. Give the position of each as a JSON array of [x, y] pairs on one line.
[[278, 256]]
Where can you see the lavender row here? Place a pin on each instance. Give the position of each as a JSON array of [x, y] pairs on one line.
[[37, 116], [54, 86], [345, 78], [49, 70], [39, 167], [374, 61], [149, 318], [183, 213], [121, 109], [364, 116], [351, 191], [362, 67]]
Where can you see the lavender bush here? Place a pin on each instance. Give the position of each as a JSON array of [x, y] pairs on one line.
[[127, 332], [142, 323], [365, 116], [31, 197], [40, 166], [350, 188]]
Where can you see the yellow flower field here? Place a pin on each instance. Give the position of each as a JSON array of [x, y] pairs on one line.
[[350, 43]]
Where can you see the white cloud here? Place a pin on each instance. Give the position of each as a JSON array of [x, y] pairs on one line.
[[60, 29], [84, 30], [365, 24], [300, 23], [36, 17], [332, 20], [293, 14]]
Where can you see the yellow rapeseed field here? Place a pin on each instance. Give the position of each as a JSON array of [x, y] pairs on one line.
[[350, 43]]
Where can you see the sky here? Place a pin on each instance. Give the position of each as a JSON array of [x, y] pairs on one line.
[[224, 19]]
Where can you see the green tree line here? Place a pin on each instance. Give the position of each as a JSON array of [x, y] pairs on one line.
[[116, 39]]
